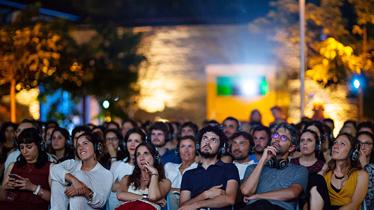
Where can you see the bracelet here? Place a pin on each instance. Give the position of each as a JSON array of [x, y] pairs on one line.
[[37, 190], [154, 174]]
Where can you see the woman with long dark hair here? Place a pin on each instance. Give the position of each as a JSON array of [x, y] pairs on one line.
[[346, 182], [147, 185], [124, 167], [60, 146], [26, 181]]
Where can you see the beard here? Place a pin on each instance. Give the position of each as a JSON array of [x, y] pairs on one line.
[[208, 155]]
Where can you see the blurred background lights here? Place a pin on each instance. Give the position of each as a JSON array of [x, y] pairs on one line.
[[106, 104], [356, 83]]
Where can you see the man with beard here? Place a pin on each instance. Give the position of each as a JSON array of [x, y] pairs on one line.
[[213, 184], [159, 137], [261, 138], [274, 183], [241, 143], [230, 126]]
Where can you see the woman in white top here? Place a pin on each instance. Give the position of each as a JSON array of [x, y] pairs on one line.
[[90, 182], [119, 169], [147, 183]]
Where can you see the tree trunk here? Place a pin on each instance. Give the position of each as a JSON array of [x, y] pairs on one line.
[[13, 101]]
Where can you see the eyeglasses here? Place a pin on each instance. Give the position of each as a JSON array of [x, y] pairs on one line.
[[277, 136], [362, 144]]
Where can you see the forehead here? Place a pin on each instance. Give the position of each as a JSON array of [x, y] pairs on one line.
[[186, 142], [230, 122], [28, 144], [364, 137], [240, 138], [259, 133], [134, 135], [82, 139], [25, 125], [283, 131], [110, 134], [142, 149], [343, 139], [210, 135], [157, 131], [186, 128]]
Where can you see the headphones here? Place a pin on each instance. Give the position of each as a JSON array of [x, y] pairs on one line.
[[277, 164], [354, 153]]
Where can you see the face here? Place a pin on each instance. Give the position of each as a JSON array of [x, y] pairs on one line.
[[111, 138], [261, 140], [75, 137], [341, 148], [187, 150], [240, 148], [22, 127], [187, 131], [133, 141], [30, 152], [349, 129], [99, 133], [209, 144], [143, 156], [307, 143], [366, 144], [281, 139], [58, 141], [85, 148], [10, 133], [48, 135], [126, 127], [229, 127], [158, 138], [315, 129], [255, 117]]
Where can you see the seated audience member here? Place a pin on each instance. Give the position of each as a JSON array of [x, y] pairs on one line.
[[60, 146], [261, 139], [26, 181], [7, 143], [255, 117], [81, 184], [113, 148], [127, 125], [349, 127], [365, 140], [317, 196], [365, 126], [213, 184], [119, 169], [346, 182], [274, 183], [230, 126], [160, 135], [146, 187], [174, 172], [188, 129], [241, 144]]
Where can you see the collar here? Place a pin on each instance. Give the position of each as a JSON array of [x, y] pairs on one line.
[[218, 163]]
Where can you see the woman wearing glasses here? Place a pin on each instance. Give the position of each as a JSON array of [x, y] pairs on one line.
[[365, 139]]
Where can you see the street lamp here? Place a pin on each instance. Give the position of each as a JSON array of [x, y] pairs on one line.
[[357, 83]]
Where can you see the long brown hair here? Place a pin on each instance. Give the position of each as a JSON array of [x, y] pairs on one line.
[[134, 178], [353, 164]]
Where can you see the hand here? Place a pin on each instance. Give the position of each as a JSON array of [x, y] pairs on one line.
[[161, 202], [71, 191], [79, 186], [112, 152], [24, 183], [150, 169], [269, 152], [363, 159], [246, 199], [192, 206], [214, 192], [10, 185]]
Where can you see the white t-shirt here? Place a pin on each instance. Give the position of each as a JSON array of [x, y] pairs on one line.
[[173, 174], [242, 167], [98, 179], [119, 169]]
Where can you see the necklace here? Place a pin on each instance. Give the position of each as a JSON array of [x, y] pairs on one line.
[[338, 177]]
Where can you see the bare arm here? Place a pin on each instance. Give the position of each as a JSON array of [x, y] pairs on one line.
[[158, 190], [124, 195], [225, 199], [285, 194], [249, 186], [360, 191]]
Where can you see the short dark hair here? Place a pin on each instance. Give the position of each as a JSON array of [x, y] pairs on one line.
[[214, 129], [27, 136], [81, 128], [365, 124], [232, 119], [190, 124], [160, 126], [293, 131], [261, 128]]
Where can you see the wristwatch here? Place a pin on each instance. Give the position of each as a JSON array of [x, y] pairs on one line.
[[145, 196]]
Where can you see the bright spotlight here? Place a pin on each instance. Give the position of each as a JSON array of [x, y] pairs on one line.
[[356, 83], [106, 104]]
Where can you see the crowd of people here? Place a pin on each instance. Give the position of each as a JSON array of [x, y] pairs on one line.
[[172, 165]]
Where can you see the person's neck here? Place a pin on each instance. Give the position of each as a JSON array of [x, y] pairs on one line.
[[341, 167], [131, 159], [308, 158], [60, 153], [89, 164], [282, 157], [162, 150], [144, 175], [242, 161], [187, 163], [258, 155], [206, 162]]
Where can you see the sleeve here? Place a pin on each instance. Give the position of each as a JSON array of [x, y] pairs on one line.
[[301, 177], [249, 171], [101, 190], [119, 170], [58, 171], [186, 181], [232, 172]]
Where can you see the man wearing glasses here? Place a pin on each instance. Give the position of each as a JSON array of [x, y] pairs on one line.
[[274, 183], [213, 184]]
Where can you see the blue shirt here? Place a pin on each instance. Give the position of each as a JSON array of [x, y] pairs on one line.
[[170, 156], [253, 157], [200, 179], [272, 179]]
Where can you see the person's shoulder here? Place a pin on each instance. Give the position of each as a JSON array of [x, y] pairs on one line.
[[170, 166], [362, 173], [298, 168], [229, 166]]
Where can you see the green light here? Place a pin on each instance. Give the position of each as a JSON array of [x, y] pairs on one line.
[[264, 86], [224, 86]]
